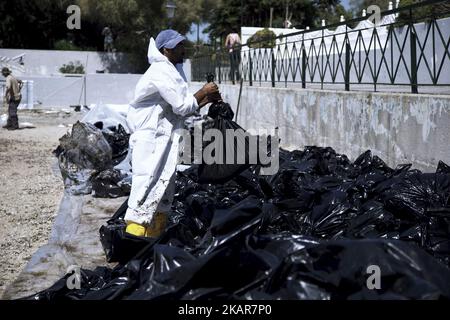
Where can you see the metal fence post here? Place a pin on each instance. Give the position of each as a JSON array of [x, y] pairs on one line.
[[85, 90], [273, 68], [232, 68], [250, 68], [303, 68], [375, 77], [413, 50], [347, 65], [219, 64]]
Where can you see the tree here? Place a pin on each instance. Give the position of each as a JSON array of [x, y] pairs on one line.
[[32, 24], [41, 24], [423, 13], [357, 6], [330, 11], [132, 23], [233, 14], [436, 10], [264, 38]]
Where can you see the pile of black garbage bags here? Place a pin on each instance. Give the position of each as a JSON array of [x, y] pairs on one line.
[[87, 156], [322, 227]]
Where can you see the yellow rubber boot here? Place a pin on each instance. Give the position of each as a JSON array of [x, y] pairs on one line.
[[157, 226], [135, 229]]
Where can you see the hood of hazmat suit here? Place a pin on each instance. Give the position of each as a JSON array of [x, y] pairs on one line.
[[161, 103]]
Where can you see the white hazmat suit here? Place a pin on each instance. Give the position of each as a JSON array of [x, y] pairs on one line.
[[162, 102]]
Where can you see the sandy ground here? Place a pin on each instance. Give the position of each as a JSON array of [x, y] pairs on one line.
[[30, 188]]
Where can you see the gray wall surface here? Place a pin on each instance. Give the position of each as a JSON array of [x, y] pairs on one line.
[[48, 62], [399, 128], [46, 87], [62, 92]]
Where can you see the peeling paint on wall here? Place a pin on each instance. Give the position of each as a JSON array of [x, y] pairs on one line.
[[423, 115]]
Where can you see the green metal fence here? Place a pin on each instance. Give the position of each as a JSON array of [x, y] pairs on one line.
[[411, 50]]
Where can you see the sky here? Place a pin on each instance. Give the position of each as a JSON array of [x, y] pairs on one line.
[[192, 35], [345, 4]]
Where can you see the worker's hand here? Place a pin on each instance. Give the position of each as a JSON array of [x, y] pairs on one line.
[[212, 92], [210, 88], [207, 94], [203, 102], [213, 97], [210, 98]]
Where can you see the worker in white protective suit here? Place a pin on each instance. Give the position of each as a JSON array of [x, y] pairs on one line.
[[161, 104]]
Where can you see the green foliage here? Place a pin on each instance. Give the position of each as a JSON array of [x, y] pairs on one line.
[[41, 24], [330, 11], [357, 6], [424, 13], [65, 45], [264, 38], [33, 24], [230, 15], [72, 68]]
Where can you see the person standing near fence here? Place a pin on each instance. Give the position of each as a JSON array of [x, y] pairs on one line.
[[108, 43], [233, 44], [12, 99]]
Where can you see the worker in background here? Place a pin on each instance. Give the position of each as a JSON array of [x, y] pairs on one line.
[[233, 44], [108, 42], [162, 102], [12, 98]]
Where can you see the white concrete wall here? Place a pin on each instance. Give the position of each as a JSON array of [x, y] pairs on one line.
[[399, 128], [62, 92], [46, 87], [48, 62]]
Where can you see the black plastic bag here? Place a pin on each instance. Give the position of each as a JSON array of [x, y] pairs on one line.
[[83, 153], [110, 183], [341, 269], [220, 172], [310, 231], [87, 156], [118, 139]]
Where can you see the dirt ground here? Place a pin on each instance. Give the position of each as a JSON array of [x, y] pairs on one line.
[[30, 187]]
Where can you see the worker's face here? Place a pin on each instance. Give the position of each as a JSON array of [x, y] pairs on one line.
[[5, 74], [177, 54]]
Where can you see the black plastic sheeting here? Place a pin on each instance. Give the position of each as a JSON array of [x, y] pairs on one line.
[[311, 231], [87, 156]]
